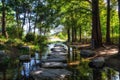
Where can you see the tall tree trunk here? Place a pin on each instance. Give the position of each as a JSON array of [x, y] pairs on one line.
[[68, 33], [17, 21], [17, 17], [119, 24], [75, 33], [29, 20], [73, 39], [80, 33], [35, 24], [4, 33], [108, 40], [24, 18], [96, 29]]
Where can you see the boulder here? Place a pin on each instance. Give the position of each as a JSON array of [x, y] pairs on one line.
[[97, 63], [87, 53], [24, 58]]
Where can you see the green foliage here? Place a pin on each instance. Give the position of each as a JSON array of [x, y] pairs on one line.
[[5, 61], [15, 32], [19, 43], [62, 36], [2, 47], [42, 40], [30, 37], [24, 50], [10, 41], [36, 48]]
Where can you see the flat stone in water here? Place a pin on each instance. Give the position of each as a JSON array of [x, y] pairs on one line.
[[58, 53], [55, 58], [54, 65], [50, 74], [57, 49]]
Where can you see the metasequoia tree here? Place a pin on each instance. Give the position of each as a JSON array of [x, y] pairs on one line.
[[119, 23], [4, 33], [96, 29], [108, 40]]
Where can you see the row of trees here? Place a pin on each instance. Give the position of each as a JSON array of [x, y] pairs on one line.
[[84, 18], [22, 14], [96, 23], [81, 18]]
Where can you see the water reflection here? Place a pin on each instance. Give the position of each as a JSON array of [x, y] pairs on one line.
[[110, 74], [29, 66], [116, 76], [80, 71], [84, 72]]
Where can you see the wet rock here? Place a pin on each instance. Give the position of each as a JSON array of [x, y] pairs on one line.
[[87, 53], [97, 63], [59, 45], [57, 49], [54, 65], [57, 54], [24, 58], [55, 58]]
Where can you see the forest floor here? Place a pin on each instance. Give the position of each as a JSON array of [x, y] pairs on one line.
[[108, 52], [105, 50]]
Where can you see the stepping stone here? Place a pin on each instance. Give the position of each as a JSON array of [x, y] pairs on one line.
[[54, 65], [50, 74], [57, 54], [57, 49], [59, 45]]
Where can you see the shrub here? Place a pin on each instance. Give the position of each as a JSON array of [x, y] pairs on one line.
[[30, 37]]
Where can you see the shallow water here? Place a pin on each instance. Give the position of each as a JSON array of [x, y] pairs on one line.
[[80, 71]]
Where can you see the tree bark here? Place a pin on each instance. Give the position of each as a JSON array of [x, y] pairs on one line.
[[119, 24], [68, 33], [35, 24], [75, 33], [96, 29], [4, 33], [80, 33], [29, 20], [73, 36], [24, 18], [108, 40]]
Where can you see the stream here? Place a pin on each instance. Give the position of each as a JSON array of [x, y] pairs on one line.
[[80, 71]]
